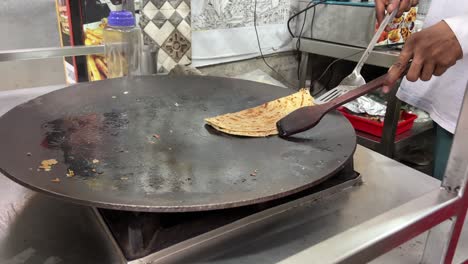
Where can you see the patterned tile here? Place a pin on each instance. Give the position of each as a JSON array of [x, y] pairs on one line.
[[175, 19], [159, 22], [159, 35], [176, 46], [162, 55], [188, 19], [167, 12], [147, 39], [168, 64], [185, 60], [175, 3], [167, 6], [183, 10], [166, 23], [159, 16], [144, 20], [185, 29], [158, 3], [150, 10], [189, 53]]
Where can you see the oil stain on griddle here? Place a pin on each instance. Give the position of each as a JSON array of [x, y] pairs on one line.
[[83, 139]]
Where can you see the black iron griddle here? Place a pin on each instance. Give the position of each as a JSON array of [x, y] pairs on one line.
[[156, 153]]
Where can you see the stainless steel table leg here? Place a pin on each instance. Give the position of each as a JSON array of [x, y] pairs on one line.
[[303, 69], [455, 181], [387, 143]]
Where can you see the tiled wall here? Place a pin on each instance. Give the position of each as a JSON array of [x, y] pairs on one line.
[[167, 24]]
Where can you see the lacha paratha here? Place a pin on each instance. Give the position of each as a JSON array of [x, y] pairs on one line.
[[260, 121]]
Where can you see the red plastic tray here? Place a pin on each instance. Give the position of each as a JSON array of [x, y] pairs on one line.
[[376, 128]]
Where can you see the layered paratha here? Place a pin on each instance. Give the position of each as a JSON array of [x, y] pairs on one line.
[[260, 121]]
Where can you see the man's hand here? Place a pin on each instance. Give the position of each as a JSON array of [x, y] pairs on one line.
[[433, 50], [389, 5]]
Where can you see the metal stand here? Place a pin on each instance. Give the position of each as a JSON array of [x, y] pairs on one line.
[[441, 211], [455, 181]]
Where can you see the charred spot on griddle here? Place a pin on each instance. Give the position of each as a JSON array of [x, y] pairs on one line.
[[79, 137]]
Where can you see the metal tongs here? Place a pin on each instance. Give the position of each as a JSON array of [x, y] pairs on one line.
[[355, 79]]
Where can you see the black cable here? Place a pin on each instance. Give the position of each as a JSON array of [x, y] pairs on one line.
[[298, 43], [300, 12], [260, 47], [312, 25]]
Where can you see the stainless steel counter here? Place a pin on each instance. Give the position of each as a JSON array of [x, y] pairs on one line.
[[37, 229]]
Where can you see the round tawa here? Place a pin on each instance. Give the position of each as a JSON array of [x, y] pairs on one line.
[[141, 144]]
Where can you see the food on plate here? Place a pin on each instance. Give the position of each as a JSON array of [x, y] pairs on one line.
[[405, 33], [397, 20], [383, 37], [260, 121], [411, 15], [394, 35]]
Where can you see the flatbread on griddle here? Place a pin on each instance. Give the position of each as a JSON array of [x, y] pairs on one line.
[[260, 121]]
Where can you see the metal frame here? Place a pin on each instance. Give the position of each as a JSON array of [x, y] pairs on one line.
[[454, 184], [379, 235], [455, 181], [377, 58], [45, 53]]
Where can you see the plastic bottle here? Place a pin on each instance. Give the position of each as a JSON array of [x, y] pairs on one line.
[[123, 44]]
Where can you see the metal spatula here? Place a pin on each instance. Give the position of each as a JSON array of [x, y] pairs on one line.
[[355, 79]]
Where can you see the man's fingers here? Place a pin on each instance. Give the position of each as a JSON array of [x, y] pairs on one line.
[[397, 69], [394, 74], [379, 11], [392, 77], [405, 5], [439, 70], [394, 4], [427, 71], [415, 70], [386, 89]]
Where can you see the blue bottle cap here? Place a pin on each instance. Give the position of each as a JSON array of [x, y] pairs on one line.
[[121, 19]]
